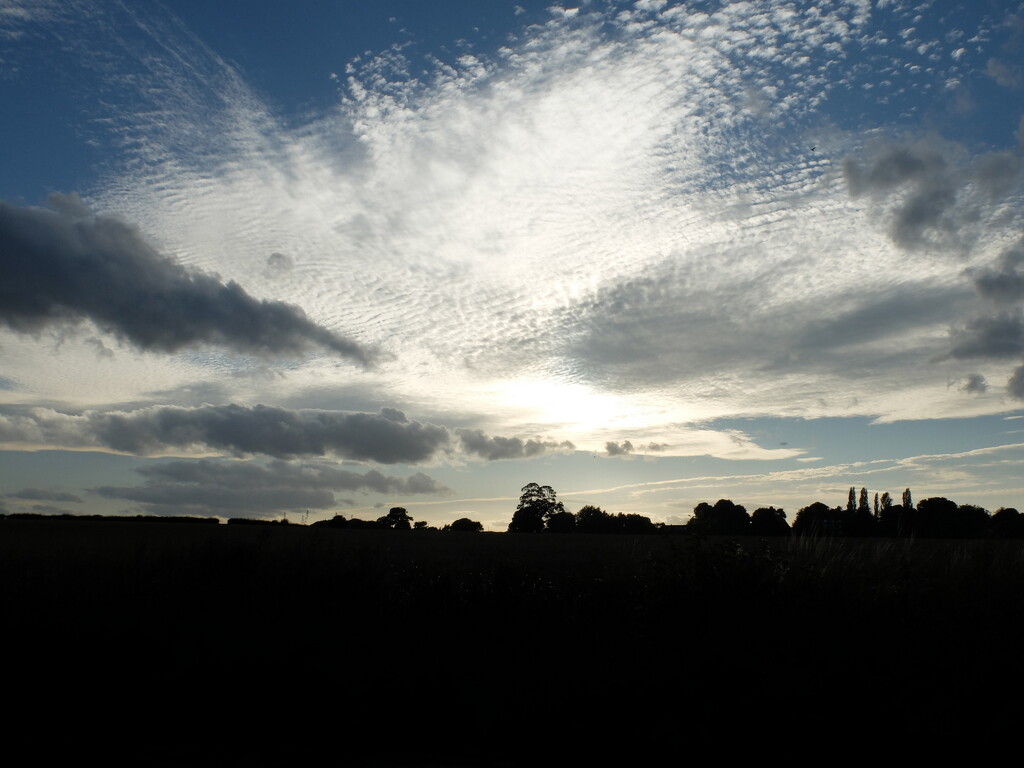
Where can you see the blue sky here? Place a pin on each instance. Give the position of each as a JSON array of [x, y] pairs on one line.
[[262, 261]]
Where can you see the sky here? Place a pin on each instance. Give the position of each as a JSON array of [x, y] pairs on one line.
[[294, 261]]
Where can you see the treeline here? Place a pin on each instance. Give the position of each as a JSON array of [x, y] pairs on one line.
[[540, 510], [935, 517], [112, 518], [399, 519]]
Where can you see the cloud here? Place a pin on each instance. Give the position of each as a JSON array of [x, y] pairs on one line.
[[618, 449], [40, 494], [975, 384], [387, 437], [997, 172], [1015, 386], [66, 265], [924, 173], [475, 442], [684, 325], [877, 316], [278, 262], [1007, 75], [625, 200], [1004, 282], [996, 336], [207, 487]]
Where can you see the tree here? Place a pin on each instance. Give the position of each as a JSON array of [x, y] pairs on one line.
[[536, 506], [971, 521], [397, 518], [464, 525], [935, 517], [1007, 523], [818, 519], [725, 518], [851, 501], [633, 523], [769, 521], [859, 521], [908, 503], [591, 519], [561, 522]]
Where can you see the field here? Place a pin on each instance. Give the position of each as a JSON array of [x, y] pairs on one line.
[[255, 645]]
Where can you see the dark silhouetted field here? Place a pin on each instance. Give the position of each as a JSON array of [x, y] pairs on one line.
[[254, 645]]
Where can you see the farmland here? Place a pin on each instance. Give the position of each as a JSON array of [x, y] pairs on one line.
[[262, 645]]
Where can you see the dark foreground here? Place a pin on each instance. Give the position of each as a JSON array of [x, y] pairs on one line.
[[231, 645]]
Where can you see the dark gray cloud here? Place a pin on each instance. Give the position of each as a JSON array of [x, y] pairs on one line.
[[475, 442], [278, 262], [933, 202], [997, 172], [388, 437], [65, 266], [926, 174], [997, 336], [975, 384], [208, 487], [1003, 283], [282, 474], [41, 494], [878, 316], [669, 328], [1015, 386], [651, 329], [618, 449]]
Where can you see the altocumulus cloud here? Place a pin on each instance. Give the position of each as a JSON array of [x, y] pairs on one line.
[[66, 265], [225, 488]]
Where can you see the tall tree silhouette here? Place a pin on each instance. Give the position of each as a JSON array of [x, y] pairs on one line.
[[536, 506], [861, 522]]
